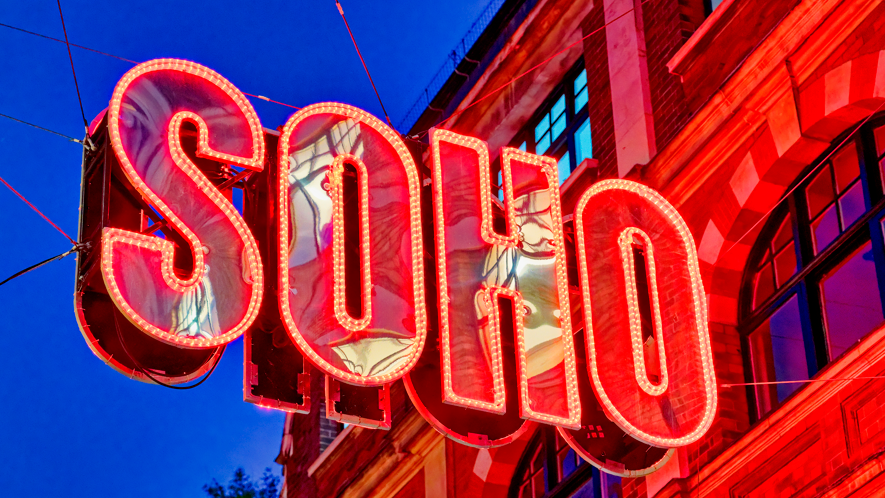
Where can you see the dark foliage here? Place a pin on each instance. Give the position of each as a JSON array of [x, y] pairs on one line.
[[242, 486]]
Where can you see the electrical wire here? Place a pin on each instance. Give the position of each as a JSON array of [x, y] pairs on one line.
[[37, 210], [72, 139], [262, 97], [45, 261], [71, 44], [347, 25], [216, 355], [71, 57], [803, 381]]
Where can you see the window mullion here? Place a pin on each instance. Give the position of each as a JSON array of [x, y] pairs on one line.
[[811, 314], [749, 378], [809, 298], [549, 447], [869, 167], [802, 224], [572, 149]]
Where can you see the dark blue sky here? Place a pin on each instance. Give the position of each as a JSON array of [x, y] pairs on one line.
[[69, 425]]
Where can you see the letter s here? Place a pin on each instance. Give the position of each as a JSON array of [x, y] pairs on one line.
[[220, 299]]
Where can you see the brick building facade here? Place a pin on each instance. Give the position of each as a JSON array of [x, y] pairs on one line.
[[761, 122]]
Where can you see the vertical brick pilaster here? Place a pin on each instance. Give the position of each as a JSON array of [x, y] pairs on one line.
[[599, 88], [668, 25]]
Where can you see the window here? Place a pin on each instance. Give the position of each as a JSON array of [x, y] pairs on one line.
[[711, 5], [550, 468], [533, 481], [550, 127], [815, 280], [561, 127]]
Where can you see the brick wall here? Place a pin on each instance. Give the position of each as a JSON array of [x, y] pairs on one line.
[[732, 414], [668, 25], [329, 429], [600, 105], [305, 429]]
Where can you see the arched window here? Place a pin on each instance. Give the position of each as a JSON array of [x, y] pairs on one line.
[[550, 468], [815, 280]]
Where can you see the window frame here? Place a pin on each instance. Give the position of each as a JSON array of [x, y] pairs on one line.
[[811, 267], [545, 437], [574, 118]]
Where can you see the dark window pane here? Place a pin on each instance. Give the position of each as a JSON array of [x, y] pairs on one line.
[[778, 353], [825, 229], [784, 233], [611, 486], [785, 264], [880, 140], [846, 167], [819, 192], [567, 462], [764, 285], [852, 205], [850, 295]]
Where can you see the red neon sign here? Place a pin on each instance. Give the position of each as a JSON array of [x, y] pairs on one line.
[[382, 344], [336, 238], [477, 266]]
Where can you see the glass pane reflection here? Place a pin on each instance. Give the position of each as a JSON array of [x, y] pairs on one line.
[[850, 296], [564, 166], [583, 142], [880, 140], [819, 192], [778, 352], [785, 264], [852, 205], [764, 285], [543, 145], [825, 229], [846, 166]]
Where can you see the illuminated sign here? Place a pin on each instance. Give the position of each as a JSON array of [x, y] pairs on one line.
[[352, 260]]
